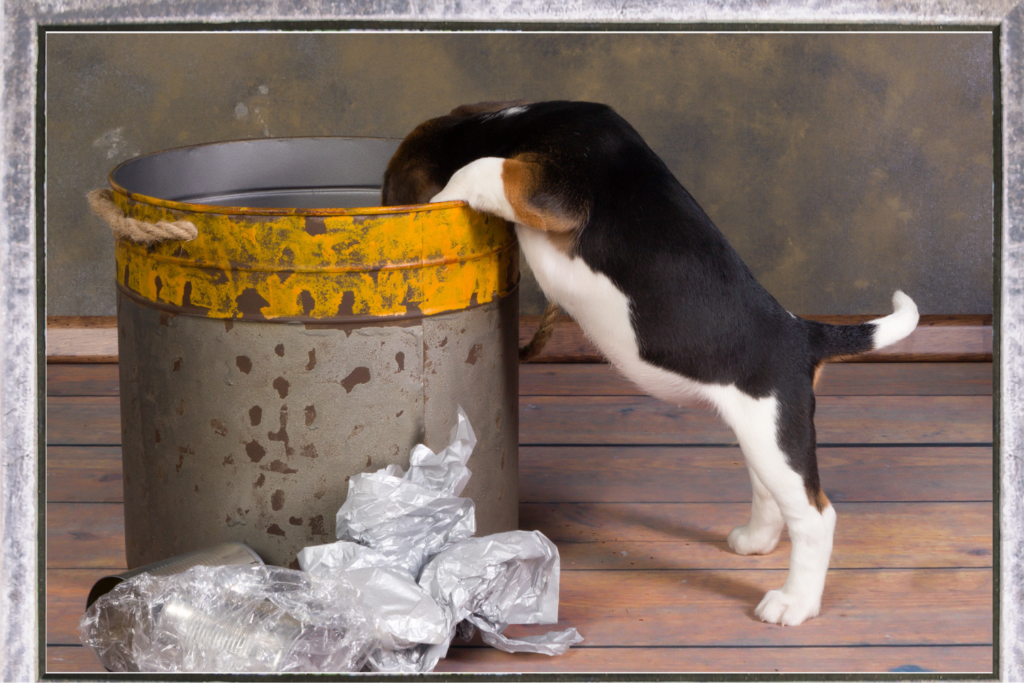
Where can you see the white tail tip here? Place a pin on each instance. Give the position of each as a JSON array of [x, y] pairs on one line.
[[893, 328]]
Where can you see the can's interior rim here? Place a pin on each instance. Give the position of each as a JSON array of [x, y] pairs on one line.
[[194, 207]]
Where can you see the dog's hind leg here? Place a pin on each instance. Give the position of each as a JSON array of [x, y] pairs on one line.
[[761, 534], [761, 425]]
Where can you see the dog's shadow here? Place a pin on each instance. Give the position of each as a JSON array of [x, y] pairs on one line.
[[718, 579]]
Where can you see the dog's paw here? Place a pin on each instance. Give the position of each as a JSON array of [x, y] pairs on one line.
[[745, 540], [786, 609]]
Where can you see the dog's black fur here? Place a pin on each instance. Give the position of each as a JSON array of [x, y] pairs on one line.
[[579, 172]]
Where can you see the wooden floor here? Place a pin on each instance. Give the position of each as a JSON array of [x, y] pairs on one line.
[[639, 496]]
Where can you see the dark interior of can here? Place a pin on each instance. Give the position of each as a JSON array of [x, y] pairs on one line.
[[293, 173]]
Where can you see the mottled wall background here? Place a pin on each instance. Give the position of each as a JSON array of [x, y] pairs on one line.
[[841, 166]]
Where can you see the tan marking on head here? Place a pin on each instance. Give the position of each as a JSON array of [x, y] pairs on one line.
[[523, 178]]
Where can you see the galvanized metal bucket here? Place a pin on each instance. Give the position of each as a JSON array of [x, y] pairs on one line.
[[301, 339]]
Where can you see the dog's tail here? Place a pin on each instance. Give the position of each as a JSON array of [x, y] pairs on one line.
[[833, 341]]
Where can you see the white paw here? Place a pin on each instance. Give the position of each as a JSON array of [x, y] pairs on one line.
[[757, 541], [782, 608]]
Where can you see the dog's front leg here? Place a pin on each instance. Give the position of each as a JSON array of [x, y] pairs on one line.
[[510, 188]]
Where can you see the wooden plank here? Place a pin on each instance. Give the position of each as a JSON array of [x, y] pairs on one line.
[[692, 536], [889, 607], [583, 658], [93, 339], [705, 608], [81, 339], [85, 535], [71, 659], [938, 338], [652, 474], [600, 379], [90, 474], [640, 420], [66, 591], [838, 379], [461, 659], [82, 379], [545, 420], [83, 420], [671, 474]]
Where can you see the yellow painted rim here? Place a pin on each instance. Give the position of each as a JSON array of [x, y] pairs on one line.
[[321, 265]]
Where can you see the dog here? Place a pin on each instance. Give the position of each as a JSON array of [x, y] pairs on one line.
[[616, 241]]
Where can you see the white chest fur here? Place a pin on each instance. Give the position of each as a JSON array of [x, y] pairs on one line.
[[603, 312]]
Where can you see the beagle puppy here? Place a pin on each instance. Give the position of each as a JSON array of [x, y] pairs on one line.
[[616, 241]]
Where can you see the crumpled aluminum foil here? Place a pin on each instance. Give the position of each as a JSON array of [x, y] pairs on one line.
[[231, 619], [413, 522]]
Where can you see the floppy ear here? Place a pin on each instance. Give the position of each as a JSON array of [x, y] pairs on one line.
[[408, 186], [484, 107]]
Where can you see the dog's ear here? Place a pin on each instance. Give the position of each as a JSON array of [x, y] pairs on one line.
[[484, 107], [409, 185]]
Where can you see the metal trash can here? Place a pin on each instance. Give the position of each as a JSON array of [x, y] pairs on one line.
[[300, 340]]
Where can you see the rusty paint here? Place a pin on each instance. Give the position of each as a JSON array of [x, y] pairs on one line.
[[316, 525], [310, 415], [218, 427], [356, 431], [244, 364], [295, 521], [228, 324], [279, 350], [309, 451], [255, 415], [474, 354], [281, 384], [177, 365], [250, 264], [158, 436], [228, 460], [400, 359], [180, 408], [443, 342], [259, 481], [360, 375], [281, 468], [399, 413], [312, 360], [255, 451], [282, 433], [369, 462], [275, 530], [277, 500]]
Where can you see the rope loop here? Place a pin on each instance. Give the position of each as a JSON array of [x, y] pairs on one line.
[[543, 334], [102, 204]]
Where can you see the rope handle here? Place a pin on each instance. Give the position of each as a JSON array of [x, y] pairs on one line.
[[102, 204], [543, 334]]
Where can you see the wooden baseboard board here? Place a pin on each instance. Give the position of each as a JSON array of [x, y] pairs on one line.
[[938, 338]]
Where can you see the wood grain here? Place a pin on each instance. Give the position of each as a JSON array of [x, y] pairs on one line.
[[672, 474], [939, 338], [837, 379], [640, 420], [704, 608], [93, 339], [85, 535], [584, 658], [839, 419], [600, 379], [462, 659], [82, 379], [84, 474], [692, 536]]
